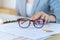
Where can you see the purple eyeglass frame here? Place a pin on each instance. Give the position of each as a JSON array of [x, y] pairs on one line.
[[24, 19]]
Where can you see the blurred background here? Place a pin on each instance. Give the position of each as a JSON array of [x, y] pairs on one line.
[[8, 6]]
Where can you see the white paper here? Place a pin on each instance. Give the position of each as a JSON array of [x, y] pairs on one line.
[[7, 36], [31, 32], [6, 17]]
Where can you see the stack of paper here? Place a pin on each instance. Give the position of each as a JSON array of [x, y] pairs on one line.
[[31, 32]]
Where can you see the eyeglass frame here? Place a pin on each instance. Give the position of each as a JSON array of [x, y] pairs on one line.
[[22, 19]]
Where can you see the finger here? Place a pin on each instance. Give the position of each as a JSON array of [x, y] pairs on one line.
[[46, 19], [42, 17], [36, 16]]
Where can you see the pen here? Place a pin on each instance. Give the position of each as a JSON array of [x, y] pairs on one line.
[[48, 30], [9, 21]]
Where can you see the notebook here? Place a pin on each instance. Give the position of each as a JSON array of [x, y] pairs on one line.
[[6, 18]]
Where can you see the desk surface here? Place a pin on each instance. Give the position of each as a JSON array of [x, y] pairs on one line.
[[8, 11], [54, 37]]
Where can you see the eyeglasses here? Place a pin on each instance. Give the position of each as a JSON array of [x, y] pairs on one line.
[[25, 23]]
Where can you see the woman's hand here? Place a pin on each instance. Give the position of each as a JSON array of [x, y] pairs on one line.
[[42, 15]]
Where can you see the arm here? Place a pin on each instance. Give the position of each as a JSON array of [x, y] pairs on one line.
[[55, 8]]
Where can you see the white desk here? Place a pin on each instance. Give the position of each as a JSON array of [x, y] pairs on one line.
[[31, 32]]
